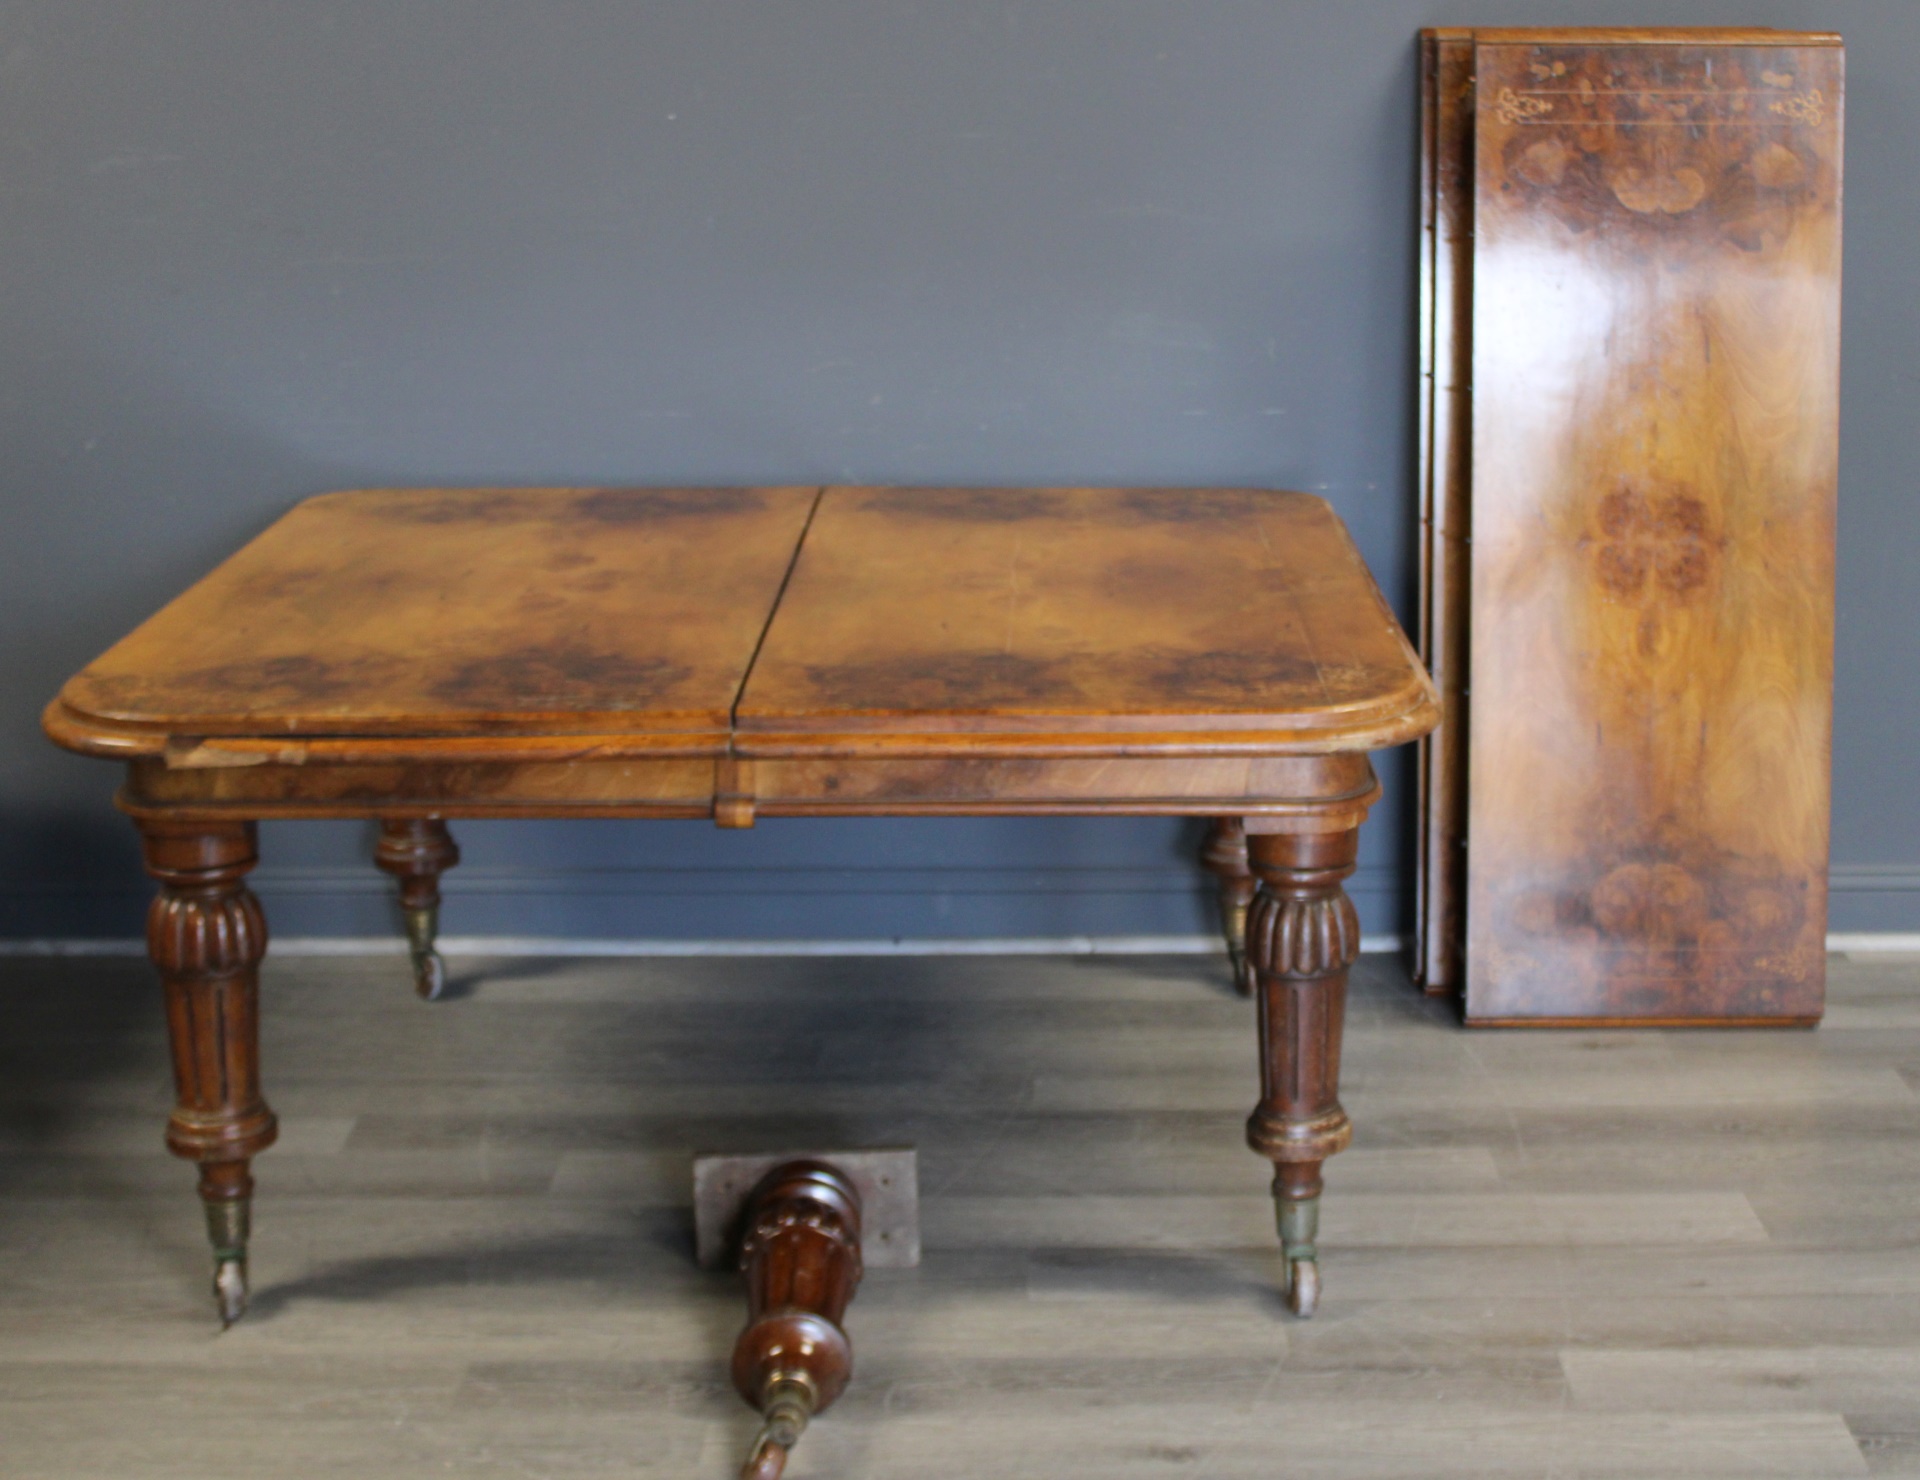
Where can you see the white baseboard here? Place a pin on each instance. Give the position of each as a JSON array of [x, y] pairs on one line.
[[509, 945], [1871, 943], [1857, 943]]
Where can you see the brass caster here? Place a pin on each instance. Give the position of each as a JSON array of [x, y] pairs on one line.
[[1299, 1228], [767, 1462], [1242, 971], [1303, 1286], [429, 971], [789, 1408], [1233, 920], [429, 976], [230, 1290], [1224, 855], [228, 1221]]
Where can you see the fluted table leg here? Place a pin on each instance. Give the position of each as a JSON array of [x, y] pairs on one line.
[[1302, 935], [801, 1256], [207, 935]]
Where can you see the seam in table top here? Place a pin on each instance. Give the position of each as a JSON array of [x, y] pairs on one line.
[[779, 596]]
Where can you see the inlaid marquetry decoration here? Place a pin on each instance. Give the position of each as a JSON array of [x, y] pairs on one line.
[[1630, 421]]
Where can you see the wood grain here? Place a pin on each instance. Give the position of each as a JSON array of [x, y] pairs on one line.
[[1655, 238], [414, 657], [1196, 616], [1446, 427], [437, 647], [460, 611]]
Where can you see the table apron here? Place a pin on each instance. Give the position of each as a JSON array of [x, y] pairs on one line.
[[735, 792]]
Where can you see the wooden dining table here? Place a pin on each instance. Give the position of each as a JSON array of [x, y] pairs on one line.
[[419, 655]]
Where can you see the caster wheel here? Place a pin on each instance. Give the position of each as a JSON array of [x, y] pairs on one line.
[[767, 1462], [230, 1290], [1303, 1287], [430, 976]]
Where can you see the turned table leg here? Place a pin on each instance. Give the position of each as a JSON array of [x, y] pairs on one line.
[[801, 1257], [1224, 855], [416, 851], [1302, 935], [207, 935]]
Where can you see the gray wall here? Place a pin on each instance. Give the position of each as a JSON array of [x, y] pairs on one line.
[[252, 251]]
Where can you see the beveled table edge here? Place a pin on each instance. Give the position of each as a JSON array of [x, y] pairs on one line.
[[86, 734], [1373, 728], [1370, 731]]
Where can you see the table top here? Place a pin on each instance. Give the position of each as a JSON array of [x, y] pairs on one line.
[[773, 621], [466, 612]]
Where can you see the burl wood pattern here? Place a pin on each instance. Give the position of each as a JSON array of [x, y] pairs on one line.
[[1654, 343], [467, 611], [951, 617], [207, 936]]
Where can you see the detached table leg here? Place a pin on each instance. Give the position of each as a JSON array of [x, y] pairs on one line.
[[416, 851], [207, 935], [1302, 935], [1224, 855]]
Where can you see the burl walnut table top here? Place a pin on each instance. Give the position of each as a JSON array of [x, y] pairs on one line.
[[767, 621]]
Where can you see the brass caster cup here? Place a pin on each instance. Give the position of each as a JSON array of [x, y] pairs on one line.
[[227, 1229], [1299, 1228], [429, 971], [788, 1409]]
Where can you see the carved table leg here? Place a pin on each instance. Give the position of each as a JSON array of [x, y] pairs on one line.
[[416, 851], [801, 1257], [1302, 935], [1224, 855], [207, 936]]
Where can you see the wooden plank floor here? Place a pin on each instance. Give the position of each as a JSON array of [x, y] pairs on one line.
[[1549, 1254]]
